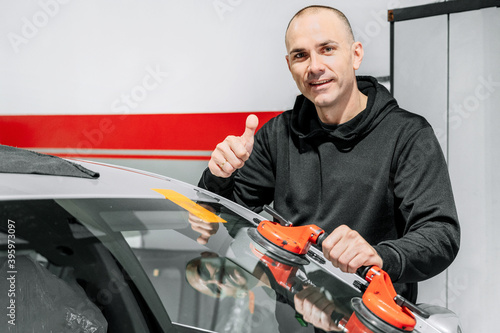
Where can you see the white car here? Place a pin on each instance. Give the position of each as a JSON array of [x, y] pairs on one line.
[[118, 250]]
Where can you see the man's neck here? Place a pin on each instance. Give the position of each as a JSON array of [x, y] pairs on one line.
[[343, 112]]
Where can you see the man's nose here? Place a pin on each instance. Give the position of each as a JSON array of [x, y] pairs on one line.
[[316, 63]]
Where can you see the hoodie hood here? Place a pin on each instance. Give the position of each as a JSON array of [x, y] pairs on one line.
[[306, 124]]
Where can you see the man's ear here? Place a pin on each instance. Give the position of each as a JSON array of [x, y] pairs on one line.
[[288, 62], [358, 53]]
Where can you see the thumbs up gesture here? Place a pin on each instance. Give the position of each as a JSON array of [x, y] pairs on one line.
[[232, 153]]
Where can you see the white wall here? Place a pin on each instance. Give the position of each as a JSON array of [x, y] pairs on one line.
[[109, 57], [80, 57], [475, 162], [457, 87]]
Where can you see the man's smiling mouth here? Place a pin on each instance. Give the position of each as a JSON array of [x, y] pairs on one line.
[[318, 83]]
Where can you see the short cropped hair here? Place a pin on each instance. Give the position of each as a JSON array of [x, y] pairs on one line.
[[317, 8]]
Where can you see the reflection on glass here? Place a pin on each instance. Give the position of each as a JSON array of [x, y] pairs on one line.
[[215, 276], [205, 228], [206, 275]]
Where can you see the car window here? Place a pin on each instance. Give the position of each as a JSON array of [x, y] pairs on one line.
[[140, 257]]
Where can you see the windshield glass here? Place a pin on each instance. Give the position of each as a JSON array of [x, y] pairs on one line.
[[195, 265]]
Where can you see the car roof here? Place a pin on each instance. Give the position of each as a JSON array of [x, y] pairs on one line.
[[113, 182]]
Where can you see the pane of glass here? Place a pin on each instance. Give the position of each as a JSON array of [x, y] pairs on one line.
[[140, 259]]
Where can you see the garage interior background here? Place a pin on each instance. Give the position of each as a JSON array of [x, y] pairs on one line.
[[156, 84]]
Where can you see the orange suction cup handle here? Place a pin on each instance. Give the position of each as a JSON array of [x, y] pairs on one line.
[[379, 298]]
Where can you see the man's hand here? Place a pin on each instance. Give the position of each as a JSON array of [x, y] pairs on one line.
[[316, 308], [204, 228], [234, 151], [347, 250]]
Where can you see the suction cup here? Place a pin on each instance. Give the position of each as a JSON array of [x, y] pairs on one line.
[[276, 252], [370, 320]]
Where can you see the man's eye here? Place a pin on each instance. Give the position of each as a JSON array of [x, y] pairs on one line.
[[299, 55]]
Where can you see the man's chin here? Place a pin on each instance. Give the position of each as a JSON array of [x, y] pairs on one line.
[[323, 101]]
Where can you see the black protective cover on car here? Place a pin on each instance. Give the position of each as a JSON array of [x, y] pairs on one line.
[[38, 301], [17, 160]]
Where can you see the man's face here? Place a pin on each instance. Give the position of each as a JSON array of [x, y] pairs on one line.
[[217, 277], [322, 57]]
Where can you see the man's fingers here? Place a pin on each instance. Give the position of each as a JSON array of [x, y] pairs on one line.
[[330, 243], [223, 161], [202, 240], [251, 125], [217, 170], [350, 261], [304, 294], [348, 250], [234, 151], [315, 308], [205, 229], [306, 299]]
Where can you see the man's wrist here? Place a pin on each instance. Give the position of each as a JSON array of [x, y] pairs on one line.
[[216, 184], [391, 261]]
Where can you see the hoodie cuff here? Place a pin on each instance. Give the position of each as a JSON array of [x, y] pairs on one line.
[[392, 264], [218, 185]]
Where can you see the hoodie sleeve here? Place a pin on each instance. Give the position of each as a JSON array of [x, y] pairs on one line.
[[424, 200]]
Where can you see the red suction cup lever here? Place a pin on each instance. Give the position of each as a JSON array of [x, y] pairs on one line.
[[379, 298], [297, 240]]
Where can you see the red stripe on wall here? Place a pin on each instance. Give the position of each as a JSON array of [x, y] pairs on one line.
[[135, 156], [201, 131]]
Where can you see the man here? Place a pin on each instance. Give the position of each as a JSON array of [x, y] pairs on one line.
[[348, 159]]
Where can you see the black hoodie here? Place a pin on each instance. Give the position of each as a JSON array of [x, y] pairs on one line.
[[382, 173]]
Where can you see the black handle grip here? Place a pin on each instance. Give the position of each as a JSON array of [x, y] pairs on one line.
[[363, 270], [401, 301], [337, 317], [321, 238]]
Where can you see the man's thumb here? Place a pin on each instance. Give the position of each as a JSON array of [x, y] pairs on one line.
[[250, 127]]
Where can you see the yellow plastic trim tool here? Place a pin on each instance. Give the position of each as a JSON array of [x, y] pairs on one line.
[[191, 206]]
